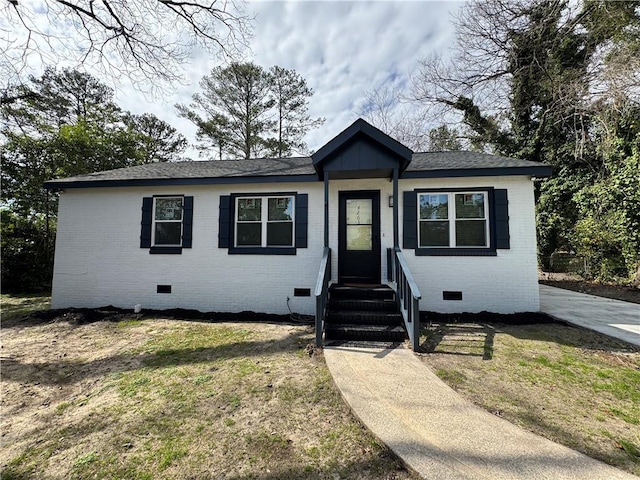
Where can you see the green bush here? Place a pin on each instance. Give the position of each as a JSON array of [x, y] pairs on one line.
[[608, 229], [27, 254]]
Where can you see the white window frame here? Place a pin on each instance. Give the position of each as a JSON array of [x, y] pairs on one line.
[[154, 221], [451, 210], [264, 220]]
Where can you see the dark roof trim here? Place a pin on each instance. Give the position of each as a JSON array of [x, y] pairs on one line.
[[541, 171], [153, 182], [354, 129]]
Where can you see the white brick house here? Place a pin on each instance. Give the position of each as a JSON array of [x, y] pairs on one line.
[[247, 235]]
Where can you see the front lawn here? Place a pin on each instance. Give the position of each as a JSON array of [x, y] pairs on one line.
[[152, 398], [571, 385]]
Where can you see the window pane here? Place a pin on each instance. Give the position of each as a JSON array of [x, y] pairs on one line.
[[280, 234], [434, 234], [249, 234], [168, 208], [280, 209], [471, 233], [359, 211], [469, 205], [249, 209], [434, 207], [168, 233], [359, 237]]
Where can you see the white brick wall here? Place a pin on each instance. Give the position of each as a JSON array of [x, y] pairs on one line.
[[99, 260], [506, 283]]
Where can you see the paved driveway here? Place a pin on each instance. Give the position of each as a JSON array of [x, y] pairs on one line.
[[611, 317]]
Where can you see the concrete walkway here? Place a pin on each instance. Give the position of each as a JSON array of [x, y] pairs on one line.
[[611, 317], [442, 436], [439, 434]]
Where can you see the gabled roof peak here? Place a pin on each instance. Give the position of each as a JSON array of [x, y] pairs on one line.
[[362, 132]]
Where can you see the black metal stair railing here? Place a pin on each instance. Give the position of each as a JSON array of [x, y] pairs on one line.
[[407, 294], [321, 293]]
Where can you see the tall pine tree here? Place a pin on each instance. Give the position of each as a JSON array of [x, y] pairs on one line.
[[247, 112]]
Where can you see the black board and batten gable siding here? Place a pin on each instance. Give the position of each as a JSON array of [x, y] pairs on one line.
[[361, 151], [362, 156], [226, 213], [146, 224], [498, 224]]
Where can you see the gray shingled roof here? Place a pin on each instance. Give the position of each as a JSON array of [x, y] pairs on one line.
[[302, 167], [259, 167], [464, 161]]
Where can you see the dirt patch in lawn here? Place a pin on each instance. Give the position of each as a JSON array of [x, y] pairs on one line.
[[571, 385], [93, 394]]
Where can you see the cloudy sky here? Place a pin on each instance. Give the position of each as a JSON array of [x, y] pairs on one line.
[[343, 49]]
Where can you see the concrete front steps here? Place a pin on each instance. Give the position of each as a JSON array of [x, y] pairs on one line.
[[363, 314]]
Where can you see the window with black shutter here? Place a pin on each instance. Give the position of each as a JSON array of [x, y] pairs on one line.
[[263, 224], [456, 221], [167, 223]]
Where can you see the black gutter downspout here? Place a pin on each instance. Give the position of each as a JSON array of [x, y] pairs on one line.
[[396, 241], [326, 209]]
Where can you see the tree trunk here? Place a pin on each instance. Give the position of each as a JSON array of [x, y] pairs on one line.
[[46, 226], [280, 128]]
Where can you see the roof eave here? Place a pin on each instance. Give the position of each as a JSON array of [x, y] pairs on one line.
[[532, 171], [153, 182]]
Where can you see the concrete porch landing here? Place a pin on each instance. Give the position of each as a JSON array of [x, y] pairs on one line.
[[439, 434]]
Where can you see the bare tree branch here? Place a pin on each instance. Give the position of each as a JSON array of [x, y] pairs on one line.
[[388, 110], [147, 41], [547, 61]]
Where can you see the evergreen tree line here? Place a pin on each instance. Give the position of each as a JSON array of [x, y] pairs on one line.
[[67, 123], [62, 124]]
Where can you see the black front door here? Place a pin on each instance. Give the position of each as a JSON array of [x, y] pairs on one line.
[[359, 237]]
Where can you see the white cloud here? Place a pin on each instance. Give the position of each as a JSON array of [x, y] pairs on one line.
[[342, 49]]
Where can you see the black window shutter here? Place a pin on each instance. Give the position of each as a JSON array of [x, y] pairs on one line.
[[187, 222], [501, 209], [302, 216], [224, 221], [145, 232], [409, 220]]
